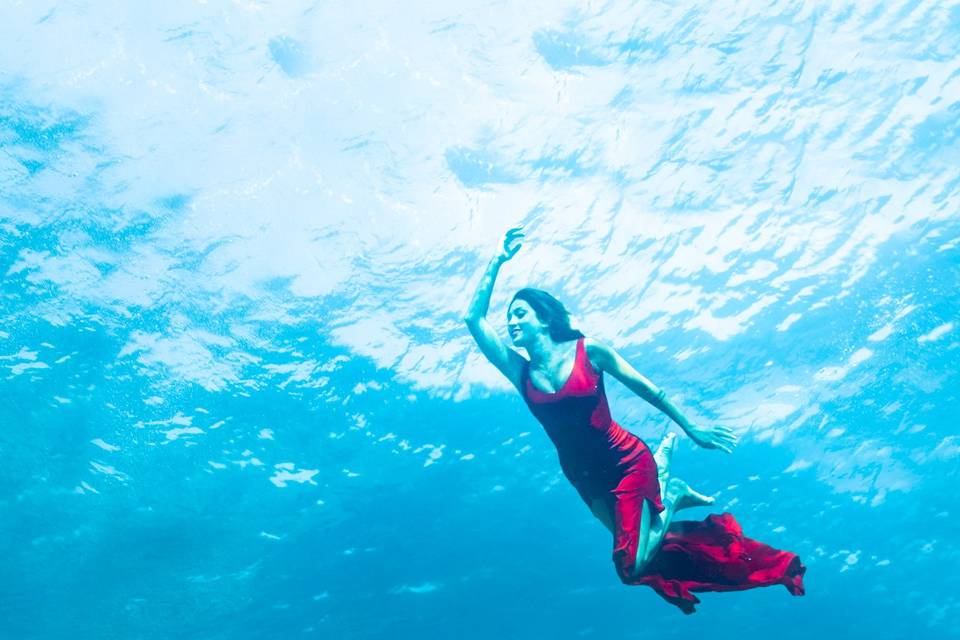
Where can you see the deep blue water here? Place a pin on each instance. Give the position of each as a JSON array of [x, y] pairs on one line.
[[236, 396]]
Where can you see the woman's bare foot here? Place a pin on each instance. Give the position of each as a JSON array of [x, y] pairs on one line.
[[663, 458], [683, 497]]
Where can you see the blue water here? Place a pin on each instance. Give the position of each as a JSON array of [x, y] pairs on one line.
[[237, 239]]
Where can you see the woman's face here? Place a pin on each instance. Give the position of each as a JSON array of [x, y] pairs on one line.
[[523, 323]]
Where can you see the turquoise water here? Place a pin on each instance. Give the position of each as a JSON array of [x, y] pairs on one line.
[[237, 239]]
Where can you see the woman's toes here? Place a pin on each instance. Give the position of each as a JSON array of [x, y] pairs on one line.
[[680, 493]]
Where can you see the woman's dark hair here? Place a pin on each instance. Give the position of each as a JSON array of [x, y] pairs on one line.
[[551, 312]]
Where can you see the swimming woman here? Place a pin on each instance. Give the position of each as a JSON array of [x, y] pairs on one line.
[[628, 488]]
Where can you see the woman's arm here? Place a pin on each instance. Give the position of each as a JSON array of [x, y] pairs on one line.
[[503, 358], [607, 359]]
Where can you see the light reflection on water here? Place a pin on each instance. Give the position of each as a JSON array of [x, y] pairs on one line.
[[237, 240]]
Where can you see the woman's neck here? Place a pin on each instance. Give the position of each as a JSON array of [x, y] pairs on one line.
[[543, 350]]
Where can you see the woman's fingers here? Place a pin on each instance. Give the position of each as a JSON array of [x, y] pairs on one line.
[[725, 439], [717, 437], [724, 445], [513, 235], [727, 433], [512, 242]]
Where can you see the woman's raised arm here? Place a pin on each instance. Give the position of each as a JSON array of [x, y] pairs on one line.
[[503, 358], [609, 360]]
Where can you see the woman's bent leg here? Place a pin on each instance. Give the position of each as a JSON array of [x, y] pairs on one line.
[[638, 525], [659, 525], [632, 519], [639, 531], [678, 496]]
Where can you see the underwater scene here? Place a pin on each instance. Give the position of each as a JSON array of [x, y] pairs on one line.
[[257, 382]]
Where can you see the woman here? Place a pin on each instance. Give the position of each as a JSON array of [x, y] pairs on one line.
[[626, 487]]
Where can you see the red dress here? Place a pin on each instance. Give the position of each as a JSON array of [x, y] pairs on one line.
[[605, 461]]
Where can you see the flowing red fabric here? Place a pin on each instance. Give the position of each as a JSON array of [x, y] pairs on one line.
[[714, 555], [607, 463]]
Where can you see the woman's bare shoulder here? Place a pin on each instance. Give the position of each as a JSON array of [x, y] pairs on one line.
[[594, 346], [598, 353], [605, 357]]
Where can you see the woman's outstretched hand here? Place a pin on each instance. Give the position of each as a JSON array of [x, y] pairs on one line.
[[512, 240], [722, 438]]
